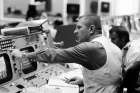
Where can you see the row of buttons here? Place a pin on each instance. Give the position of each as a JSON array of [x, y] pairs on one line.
[[6, 44], [7, 47]]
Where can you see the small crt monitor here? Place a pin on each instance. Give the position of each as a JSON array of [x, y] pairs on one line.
[[27, 65], [5, 69]]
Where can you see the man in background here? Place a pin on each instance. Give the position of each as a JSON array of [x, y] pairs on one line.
[[131, 61], [119, 36]]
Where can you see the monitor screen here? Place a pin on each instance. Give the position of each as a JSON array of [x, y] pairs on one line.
[[5, 68], [3, 73], [105, 6], [73, 9]]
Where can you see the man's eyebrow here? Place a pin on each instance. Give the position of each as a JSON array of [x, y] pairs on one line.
[[78, 26]]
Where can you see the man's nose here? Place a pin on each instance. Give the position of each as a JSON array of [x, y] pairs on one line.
[[75, 32]]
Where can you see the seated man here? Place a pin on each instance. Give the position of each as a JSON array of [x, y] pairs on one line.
[[101, 65], [132, 66]]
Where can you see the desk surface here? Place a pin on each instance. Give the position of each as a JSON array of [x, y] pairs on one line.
[[45, 89]]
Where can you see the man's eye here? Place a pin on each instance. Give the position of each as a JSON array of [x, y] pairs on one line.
[[78, 27]]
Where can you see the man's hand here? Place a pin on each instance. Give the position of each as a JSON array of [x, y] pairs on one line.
[[75, 81]]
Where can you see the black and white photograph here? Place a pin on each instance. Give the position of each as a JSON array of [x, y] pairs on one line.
[[69, 46]]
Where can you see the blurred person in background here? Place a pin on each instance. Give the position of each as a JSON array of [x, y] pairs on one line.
[[119, 36], [32, 13], [131, 62]]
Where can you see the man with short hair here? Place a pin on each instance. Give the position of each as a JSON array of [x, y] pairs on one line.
[[119, 36], [99, 57]]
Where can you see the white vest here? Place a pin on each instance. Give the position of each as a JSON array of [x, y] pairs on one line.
[[133, 53], [107, 78]]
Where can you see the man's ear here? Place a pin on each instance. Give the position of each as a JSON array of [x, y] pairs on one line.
[[92, 29]]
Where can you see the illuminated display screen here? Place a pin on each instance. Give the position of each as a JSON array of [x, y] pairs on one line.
[[3, 73], [5, 68]]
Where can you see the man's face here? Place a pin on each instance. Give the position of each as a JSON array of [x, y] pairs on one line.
[[82, 32], [115, 39]]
